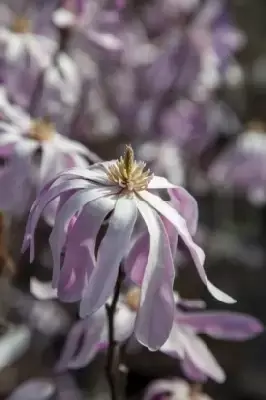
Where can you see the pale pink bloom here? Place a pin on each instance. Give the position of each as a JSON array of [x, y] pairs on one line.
[[87, 337], [33, 153], [122, 190]]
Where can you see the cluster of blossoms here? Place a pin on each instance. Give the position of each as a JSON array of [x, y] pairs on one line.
[[81, 75]]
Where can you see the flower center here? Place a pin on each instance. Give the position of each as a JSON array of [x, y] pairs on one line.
[[133, 298], [20, 25], [128, 173], [41, 130]]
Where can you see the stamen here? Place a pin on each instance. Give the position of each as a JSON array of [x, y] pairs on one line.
[[128, 173], [20, 25], [133, 298], [42, 130]]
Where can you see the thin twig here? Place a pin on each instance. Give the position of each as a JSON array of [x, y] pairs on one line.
[[112, 363]]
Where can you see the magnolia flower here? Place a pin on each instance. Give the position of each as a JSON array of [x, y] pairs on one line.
[[33, 153], [242, 166], [24, 54], [183, 343], [175, 389], [122, 190]]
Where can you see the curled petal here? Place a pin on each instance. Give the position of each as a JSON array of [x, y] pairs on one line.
[[196, 252], [187, 206]]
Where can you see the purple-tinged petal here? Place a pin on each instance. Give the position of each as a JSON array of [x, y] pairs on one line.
[[38, 206], [69, 209], [172, 235], [79, 258], [222, 325], [198, 353], [89, 331], [187, 206], [41, 389], [155, 316], [111, 252], [192, 372], [136, 261], [196, 252]]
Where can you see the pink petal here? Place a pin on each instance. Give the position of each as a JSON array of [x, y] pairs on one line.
[[222, 325], [155, 316], [136, 261], [111, 251], [187, 206]]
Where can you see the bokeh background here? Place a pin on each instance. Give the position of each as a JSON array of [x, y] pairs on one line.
[[186, 127]]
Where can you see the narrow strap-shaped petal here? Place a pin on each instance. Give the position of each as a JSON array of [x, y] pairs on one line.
[[38, 207], [159, 182], [196, 252], [192, 372], [187, 206], [136, 261], [71, 345], [69, 209], [173, 346], [93, 175], [199, 354], [157, 304], [79, 258], [89, 331], [222, 325], [112, 249], [92, 335]]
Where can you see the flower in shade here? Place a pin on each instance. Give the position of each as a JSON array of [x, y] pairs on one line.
[[33, 153], [174, 389], [242, 166], [87, 337], [120, 190]]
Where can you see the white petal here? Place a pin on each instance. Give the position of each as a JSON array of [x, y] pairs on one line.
[[159, 182], [196, 252]]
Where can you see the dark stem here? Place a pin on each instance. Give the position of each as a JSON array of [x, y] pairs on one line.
[[112, 363]]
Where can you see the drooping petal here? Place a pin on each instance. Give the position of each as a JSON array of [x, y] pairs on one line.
[[159, 182], [196, 252], [69, 209], [199, 354], [89, 331], [38, 207], [192, 372], [222, 325], [136, 261], [79, 259], [155, 316], [187, 206], [111, 252]]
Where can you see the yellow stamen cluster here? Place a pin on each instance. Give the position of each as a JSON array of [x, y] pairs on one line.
[[41, 130], [128, 173], [20, 25], [133, 298]]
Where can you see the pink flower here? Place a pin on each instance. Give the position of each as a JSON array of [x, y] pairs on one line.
[[123, 190], [34, 153]]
